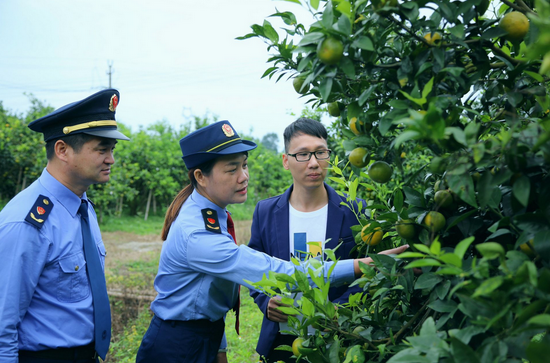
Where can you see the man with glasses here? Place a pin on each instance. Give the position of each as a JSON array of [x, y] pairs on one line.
[[284, 226]]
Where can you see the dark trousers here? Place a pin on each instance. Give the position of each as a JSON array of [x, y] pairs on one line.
[[175, 341], [280, 355]]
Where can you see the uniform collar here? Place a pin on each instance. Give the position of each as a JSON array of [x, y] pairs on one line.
[[204, 202], [64, 195]]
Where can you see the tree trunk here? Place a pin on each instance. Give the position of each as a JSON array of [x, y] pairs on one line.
[[17, 190], [154, 205], [148, 203], [24, 185], [120, 205]]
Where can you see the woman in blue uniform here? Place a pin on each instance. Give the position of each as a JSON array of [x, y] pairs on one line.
[[201, 267]]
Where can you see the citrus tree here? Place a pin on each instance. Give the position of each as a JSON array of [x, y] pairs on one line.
[[441, 115]]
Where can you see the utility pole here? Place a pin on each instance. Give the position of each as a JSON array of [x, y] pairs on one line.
[[110, 72]]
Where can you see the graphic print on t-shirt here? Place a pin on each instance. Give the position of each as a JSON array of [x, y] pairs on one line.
[[302, 247]]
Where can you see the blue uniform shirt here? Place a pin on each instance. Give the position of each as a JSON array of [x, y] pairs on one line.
[[199, 271], [45, 298]]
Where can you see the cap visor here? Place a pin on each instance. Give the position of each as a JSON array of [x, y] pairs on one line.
[[243, 146], [109, 134]]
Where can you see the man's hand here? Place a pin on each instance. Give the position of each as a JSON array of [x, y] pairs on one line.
[[273, 312]]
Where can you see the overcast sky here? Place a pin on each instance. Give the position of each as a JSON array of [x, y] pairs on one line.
[[169, 58]]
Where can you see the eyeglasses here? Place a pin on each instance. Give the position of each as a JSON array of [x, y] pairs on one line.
[[306, 156]]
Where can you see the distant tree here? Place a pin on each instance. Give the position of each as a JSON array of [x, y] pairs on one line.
[[270, 141]]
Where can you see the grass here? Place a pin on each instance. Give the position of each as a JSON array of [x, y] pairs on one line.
[[133, 272]]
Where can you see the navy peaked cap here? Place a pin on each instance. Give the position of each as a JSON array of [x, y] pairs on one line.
[[211, 142], [94, 115]]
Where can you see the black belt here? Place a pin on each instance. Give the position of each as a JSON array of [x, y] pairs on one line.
[[84, 352]]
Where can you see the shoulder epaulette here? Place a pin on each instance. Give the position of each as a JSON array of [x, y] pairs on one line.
[[39, 211], [211, 222]]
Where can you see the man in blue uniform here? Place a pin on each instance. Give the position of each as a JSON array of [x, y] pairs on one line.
[[285, 225], [53, 300]]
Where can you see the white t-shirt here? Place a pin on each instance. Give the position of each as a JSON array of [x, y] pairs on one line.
[[307, 227]]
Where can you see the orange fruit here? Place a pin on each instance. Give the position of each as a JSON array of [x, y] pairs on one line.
[[298, 347], [435, 221], [515, 24], [405, 229], [330, 51], [359, 157], [359, 127], [372, 238], [434, 38], [296, 344], [333, 109], [443, 198], [380, 172], [298, 83], [527, 248]]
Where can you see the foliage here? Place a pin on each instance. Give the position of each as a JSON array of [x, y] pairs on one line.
[[20, 148], [450, 104], [148, 170]]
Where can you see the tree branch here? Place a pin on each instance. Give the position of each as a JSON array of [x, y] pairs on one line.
[[512, 5], [502, 54]]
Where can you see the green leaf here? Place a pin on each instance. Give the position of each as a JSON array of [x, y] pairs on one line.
[[542, 320], [406, 136], [311, 38], [363, 42], [435, 247], [413, 197], [270, 32], [488, 286], [288, 310], [422, 248], [443, 306], [462, 352], [428, 88], [325, 87], [537, 77], [411, 255], [398, 200], [308, 309], [463, 246], [451, 259], [457, 31], [314, 3], [495, 32], [366, 94], [422, 263], [427, 281], [463, 186], [521, 190], [490, 250], [419, 101]]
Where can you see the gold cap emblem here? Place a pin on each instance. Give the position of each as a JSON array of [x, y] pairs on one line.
[[227, 130], [113, 103]]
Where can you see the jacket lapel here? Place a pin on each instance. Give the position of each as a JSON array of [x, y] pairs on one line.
[[282, 224], [335, 218]]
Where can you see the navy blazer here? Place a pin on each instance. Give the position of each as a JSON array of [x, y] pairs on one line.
[[270, 234]]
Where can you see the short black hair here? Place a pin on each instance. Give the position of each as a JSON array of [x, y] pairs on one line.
[[75, 141], [305, 126]]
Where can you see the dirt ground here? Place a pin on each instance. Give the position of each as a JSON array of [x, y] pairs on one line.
[[125, 247]]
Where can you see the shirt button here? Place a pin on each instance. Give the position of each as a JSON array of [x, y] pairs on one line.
[[76, 268]]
